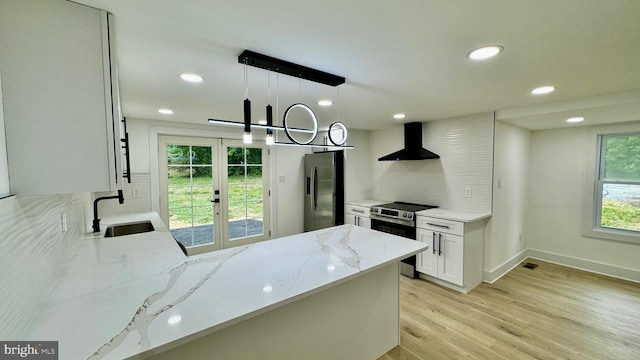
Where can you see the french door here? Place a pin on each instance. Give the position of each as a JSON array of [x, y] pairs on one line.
[[213, 192]]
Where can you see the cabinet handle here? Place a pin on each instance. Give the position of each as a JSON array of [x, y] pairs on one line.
[[126, 173], [358, 211], [433, 242], [358, 219], [438, 225], [439, 244]]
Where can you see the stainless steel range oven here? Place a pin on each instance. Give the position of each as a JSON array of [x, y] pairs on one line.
[[398, 218]]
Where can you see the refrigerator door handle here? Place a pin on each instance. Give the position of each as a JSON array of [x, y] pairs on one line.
[[314, 198]]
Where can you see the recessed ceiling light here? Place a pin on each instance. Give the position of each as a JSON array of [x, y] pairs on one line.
[[485, 52], [399, 116], [194, 78], [165, 111], [325, 102], [576, 119], [543, 90]]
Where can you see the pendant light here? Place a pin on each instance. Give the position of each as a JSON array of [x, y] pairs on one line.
[[247, 138], [301, 72], [269, 140]]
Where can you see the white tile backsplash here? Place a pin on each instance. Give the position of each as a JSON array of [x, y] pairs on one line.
[[465, 146], [140, 187], [34, 251]]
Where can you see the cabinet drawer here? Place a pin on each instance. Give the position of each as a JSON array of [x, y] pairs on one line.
[[356, 210], [445, 226]]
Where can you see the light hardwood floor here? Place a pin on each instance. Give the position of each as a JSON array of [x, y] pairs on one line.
[[552, 312]]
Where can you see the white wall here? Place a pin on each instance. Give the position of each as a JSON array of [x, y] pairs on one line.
[[34, 251], [553, 227], [289, 195], [465, 146], [357, 182], [505, 244]]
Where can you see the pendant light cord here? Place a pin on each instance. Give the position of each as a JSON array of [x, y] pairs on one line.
[[338, 103], [246, 80]]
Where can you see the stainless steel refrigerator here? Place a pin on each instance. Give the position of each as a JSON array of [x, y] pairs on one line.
[[324, 190]]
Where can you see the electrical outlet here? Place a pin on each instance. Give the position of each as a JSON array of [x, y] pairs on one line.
[[135, 192], [281, 179], [379, 186], [467, 192]]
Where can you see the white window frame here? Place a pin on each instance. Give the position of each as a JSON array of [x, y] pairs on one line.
[[592, 199]]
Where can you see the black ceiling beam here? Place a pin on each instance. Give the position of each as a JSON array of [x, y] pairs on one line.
[[289, 68]]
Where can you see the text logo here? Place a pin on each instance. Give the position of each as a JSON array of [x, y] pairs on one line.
[[32, 350]]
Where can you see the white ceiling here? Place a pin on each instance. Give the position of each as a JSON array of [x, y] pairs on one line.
[[398, 56]]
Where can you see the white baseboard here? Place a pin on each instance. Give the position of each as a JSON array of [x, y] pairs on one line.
[[492, 276], [586, 265]]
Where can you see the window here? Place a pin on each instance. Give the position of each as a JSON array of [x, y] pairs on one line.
[[617, 207]]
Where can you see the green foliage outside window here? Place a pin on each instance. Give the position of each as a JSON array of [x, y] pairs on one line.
[[622, 158], [621, 182]]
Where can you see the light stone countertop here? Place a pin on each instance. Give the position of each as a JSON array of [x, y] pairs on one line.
[[366, 202], [131, 296], [455, 215]]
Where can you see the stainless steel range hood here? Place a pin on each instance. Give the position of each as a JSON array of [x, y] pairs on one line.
[[413, 149]]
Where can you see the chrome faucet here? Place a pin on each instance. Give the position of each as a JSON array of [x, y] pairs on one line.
[[96, 221]]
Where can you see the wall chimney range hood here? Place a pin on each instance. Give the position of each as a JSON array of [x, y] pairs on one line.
[[413, 149]]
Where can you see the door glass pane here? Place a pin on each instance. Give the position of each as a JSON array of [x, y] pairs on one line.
[[190, 191], [245, 192]]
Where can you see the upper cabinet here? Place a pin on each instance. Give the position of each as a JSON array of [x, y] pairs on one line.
[[61, 104], [4, 170]]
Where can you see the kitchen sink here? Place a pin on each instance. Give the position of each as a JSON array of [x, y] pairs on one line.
[[129, 228]]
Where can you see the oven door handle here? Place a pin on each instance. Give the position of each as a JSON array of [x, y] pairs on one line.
[[389, 219]]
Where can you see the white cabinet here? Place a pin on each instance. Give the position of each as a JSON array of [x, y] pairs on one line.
[[455, 254], [444, 257], [357, 215], [60, 97]]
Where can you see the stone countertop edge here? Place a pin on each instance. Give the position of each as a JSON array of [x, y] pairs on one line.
[[366, 202], [455, 215]]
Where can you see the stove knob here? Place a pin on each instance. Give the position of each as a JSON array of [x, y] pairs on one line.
[[410, 216], [404, 215]]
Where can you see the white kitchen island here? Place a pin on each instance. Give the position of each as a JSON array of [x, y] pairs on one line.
[[326, 294]]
